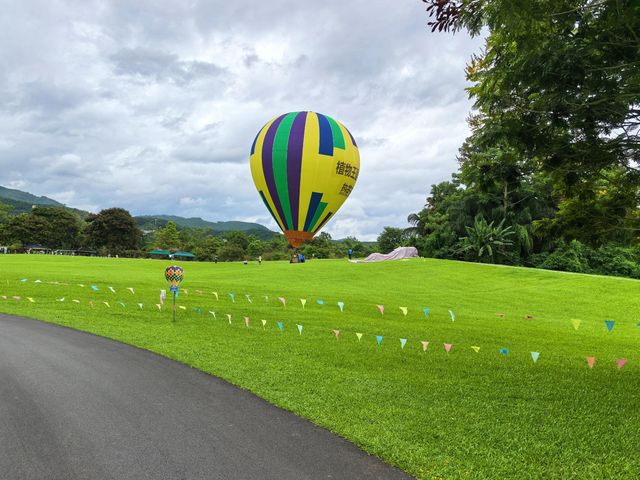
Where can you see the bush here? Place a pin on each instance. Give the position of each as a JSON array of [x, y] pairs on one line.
[[572, 257], [616, 260]]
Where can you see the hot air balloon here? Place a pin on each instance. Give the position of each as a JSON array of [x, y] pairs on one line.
[[304, 166]]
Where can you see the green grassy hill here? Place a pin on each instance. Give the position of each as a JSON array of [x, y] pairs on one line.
[[460, 414]]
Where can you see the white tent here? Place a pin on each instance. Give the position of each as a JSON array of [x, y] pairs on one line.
[[399, 253]]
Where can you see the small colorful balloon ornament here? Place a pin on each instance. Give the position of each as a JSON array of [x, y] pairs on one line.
[[174, 276], [304, 166]]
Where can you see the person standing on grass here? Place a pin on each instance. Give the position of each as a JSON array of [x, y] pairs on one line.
[[259, 259], [350, 253]]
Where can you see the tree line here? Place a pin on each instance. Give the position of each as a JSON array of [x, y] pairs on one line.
[[550, 174], [114, 231]]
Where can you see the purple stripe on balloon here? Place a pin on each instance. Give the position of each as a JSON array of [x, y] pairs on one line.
[[353, 140], [294, 164], [267, 166]]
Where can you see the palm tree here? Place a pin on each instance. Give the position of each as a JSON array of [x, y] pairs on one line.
[[484, 241]]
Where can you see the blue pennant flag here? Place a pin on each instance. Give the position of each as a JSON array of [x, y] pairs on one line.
[[320, 302], [379, 339], [280, 326], [197, 310], [609, 324], [504, 351], [233, 297], [93, 287], [426, 312]]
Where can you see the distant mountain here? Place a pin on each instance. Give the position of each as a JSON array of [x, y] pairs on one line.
[[153, 222], [23, 202], [25, 197]]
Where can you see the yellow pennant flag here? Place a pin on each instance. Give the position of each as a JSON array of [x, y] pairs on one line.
[[359, 335], [404, 310], [303, 301], [31, 300], [229, 317], [475, 349], [216, 294], [264, 322], [182, 307], [159, 306], [107, 304], [131, 290], [75, 301], [576, 323]]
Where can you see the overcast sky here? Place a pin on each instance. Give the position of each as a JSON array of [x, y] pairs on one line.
[[153, 105]]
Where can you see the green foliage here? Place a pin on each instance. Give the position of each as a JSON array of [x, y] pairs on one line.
[[390, 239], [52, 227], [231, 252], [168, 237], [485, 242], [114, 230]]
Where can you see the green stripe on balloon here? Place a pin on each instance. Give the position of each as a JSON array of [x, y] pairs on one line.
[[280, 144], [338, 138], [315, 218]]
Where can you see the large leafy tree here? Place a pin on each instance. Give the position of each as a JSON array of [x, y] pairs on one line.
[[556, 93], [52, 227], [113, 229]]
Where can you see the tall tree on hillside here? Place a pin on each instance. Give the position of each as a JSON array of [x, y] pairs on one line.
[[113, 229], [556, 91], [167, 237]]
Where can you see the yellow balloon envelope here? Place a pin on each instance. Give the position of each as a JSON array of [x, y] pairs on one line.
[[304, 166]]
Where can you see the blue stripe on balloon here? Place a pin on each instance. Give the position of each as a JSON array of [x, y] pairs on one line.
[[326, 136]]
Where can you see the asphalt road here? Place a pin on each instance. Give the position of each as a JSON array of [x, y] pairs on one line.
[[77, 406]]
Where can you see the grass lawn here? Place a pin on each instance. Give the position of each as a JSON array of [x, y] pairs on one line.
[[434, 414]]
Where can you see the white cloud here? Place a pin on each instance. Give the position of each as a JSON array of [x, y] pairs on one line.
[[153, 106]]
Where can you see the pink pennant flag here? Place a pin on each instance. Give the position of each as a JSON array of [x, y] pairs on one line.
[[336, 333], [591, 361], [381, 308], [283, 301], [246, 322], [425, 345], [621, 362], [447, 347]]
